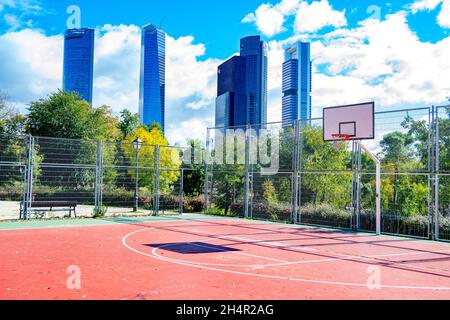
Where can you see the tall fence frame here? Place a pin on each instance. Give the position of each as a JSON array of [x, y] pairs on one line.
[[81, 171], [431, 173]]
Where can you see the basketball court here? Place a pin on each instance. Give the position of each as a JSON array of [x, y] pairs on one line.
[[197, 257]]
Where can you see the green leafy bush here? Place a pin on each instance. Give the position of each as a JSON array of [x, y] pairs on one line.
[[99, 212]]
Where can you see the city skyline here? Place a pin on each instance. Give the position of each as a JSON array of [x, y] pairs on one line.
[[394, 54]]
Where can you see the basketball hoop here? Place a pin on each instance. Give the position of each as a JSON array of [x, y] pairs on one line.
[[339, 138]]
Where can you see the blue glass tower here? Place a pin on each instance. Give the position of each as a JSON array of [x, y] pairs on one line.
[[231, 93], [78, 69], [255, 52], [153, 76], [297, 82], [242, 86]]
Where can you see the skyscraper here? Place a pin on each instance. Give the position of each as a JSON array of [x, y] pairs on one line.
[[78, 69], [297, 82], [231, 93], [255, 52], [242, 86], [153, 76]]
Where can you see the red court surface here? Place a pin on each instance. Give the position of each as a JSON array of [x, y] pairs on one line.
[[220, 260]]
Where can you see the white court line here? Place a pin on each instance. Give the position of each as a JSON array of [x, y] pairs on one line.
[[189, 264]]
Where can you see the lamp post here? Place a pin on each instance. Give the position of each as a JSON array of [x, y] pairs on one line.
[[137, 145]]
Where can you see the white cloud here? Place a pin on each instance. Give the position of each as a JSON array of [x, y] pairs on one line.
[[309, 17], [193, 129], [424, 5], [187, 75], [18, 12], [31, 64], [313, 17], [12, 21], [382, 61], [443, 18], [270, 19], [444, 15], [30, 6], [116, 68]]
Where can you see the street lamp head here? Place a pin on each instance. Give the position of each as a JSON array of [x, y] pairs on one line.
[[137, 144]]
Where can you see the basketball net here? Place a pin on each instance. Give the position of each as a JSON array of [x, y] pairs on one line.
[[340, 138]]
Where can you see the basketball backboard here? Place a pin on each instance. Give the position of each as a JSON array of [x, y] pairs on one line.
[[355, 122]]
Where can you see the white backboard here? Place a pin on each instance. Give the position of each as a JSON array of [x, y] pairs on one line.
[[356, 121]]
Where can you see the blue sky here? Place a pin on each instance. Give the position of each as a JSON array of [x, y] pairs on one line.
[[217, 24], [395, 53]]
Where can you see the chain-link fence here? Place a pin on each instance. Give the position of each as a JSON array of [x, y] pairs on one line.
[[48, 177], [271, 172], [442, 165], [319, 183]]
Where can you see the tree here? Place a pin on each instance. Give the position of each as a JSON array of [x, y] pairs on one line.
[[331, 187], [194, 177], [154, 125], [269, 192], [228, 182], [169, 158], [64, 115], [128, 124], [397, 148], [397, 152]]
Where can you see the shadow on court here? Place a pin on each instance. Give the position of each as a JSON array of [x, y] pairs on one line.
[[192, 247]]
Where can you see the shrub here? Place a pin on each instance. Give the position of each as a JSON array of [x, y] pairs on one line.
[[325, 214], [100, 212], [215, 212], [196, 204]]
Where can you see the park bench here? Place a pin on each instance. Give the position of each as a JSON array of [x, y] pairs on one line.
[[51, 206]]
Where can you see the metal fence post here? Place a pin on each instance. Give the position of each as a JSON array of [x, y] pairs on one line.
[[300, 170], [207, 159], [99, 176], [29, 178], [437, 175], [247, 174], [181, 191], [431, 174], [156, 181], [295, 163]]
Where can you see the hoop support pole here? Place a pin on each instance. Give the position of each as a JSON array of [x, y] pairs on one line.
[[378, 185]]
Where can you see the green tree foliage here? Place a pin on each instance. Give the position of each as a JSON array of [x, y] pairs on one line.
[[65, 115], [154, 125], [194, 177], [331, 187], [128, 124], [228, 185], [397, 148], [269, 192], [169, 158]]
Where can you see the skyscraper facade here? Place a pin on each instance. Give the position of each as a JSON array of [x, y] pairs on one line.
[[152, 89], [231, 93], [78, 68], [255, 52], [242, 86], [297, 82]]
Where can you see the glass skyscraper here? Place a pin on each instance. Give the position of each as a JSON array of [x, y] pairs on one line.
[[231, 94], [78, 69], [255, 52], [297, 82], [152, 91], [242, 86]]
